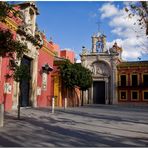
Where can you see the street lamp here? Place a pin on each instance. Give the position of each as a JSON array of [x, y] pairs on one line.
[[46, 68]]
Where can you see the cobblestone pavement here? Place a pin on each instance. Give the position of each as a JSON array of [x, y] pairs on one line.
[[92, 125]]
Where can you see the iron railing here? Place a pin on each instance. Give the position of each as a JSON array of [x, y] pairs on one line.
[[130, 84]]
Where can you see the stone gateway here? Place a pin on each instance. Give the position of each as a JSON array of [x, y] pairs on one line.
[[102, 63]]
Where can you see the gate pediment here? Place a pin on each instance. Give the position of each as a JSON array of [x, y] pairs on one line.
[[99, 69]]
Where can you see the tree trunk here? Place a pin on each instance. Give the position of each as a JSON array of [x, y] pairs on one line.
[[19, 102], [67, 94], [82, 103], [88, 96]]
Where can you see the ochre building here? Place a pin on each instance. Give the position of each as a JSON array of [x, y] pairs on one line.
[[133, 82]]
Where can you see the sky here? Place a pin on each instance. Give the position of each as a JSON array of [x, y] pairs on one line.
[[71, 25]]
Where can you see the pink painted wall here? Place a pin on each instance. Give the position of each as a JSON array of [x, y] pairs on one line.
[[54, 47], [67, 55], [44, 99], [5, 98]]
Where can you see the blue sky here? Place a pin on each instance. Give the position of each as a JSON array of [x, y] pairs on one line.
[[71, 25]]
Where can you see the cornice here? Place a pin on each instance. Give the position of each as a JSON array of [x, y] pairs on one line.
[[11, 24], [47, 51]]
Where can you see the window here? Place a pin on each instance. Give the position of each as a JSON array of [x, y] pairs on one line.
[[134, 95], [123, 80], [134, 80], [145, 95], [123, 95], [145, 79]]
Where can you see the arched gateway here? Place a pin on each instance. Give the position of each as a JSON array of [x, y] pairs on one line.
[[102, 64]]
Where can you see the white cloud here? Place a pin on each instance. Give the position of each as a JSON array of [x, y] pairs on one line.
[[78, 61], [68, 49], [108, 10], [129, 36]]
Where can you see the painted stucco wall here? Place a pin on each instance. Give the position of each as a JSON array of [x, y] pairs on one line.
[[68, 55], [44, 98]]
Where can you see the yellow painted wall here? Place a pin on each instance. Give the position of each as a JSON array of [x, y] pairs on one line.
[[57, 91]]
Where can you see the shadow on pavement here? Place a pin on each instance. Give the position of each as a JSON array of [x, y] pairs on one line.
[[46, 130]]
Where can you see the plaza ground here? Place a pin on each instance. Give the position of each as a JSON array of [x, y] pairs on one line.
[[91, 125]]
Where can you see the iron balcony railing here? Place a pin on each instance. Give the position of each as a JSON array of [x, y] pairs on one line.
[[130, 84]]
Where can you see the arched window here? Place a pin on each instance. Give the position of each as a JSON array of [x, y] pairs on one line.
[[99, 46]]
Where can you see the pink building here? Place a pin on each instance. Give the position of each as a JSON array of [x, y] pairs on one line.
[[67, 54], [38, 91]]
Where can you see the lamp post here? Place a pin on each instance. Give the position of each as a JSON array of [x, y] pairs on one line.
[[53, 104], [46, 68]]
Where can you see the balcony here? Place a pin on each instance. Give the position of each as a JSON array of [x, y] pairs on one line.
[[129, 84]]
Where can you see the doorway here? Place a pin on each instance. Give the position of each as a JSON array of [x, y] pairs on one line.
[[99, 92], [25, 85]]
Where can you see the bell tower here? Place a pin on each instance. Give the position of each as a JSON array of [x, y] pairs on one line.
[[99, 43]]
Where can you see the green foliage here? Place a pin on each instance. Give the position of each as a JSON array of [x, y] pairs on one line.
[[9, 45], [9, 48], [83, 77], [66, 74], [75, 75], [141, 9], [21, 73]]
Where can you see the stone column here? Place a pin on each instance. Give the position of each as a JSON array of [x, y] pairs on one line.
[[104, 43], [106, 92], [34, 81], [15, 94], [85, 97], [114, 83], [91, 99], [89, 96], [1, 115], [94, 49]]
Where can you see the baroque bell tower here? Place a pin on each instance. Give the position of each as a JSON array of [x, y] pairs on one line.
[[102, 62], [98, 43]]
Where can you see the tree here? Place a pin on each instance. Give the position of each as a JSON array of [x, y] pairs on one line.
[[74, 75], [83, 78], [66, 72], [140, 9]]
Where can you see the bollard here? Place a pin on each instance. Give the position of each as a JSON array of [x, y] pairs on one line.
[[1, 115], [65, 103], [53, 105]]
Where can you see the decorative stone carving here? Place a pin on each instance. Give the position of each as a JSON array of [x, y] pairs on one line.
[[84, 51], [99, 68]]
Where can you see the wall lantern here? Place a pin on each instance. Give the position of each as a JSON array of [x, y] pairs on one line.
[[46, 68]]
